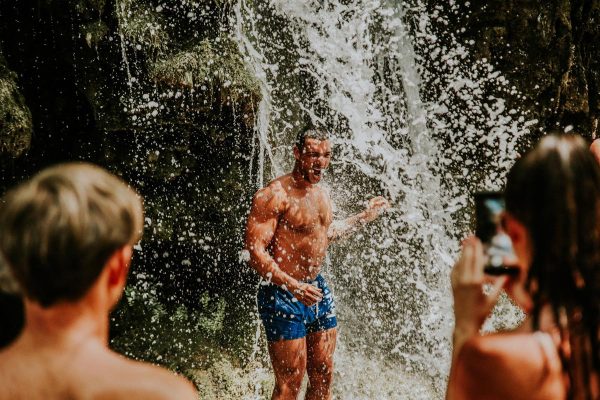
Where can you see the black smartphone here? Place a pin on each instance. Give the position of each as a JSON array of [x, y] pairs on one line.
[[501, 258]]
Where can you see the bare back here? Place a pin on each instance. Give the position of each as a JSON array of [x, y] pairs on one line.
[[509, 366], [297, 219], [83, 371]]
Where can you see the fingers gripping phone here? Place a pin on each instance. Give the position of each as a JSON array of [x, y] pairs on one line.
[[489, 210]]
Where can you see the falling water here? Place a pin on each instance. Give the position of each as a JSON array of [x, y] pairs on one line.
[[394, 99]]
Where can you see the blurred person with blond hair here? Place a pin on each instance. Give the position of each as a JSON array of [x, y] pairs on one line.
[[67, 236]]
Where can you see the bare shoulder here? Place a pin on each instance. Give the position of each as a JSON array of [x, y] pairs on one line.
[[273, 196], [502, 366], [162, 384], [324, 192], [505, 348], [128, 379]]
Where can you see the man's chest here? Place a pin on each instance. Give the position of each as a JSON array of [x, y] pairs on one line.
[[308, 212]]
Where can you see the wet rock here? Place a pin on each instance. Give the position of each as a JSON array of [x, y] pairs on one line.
[[158, 93], [142, 25], [16, 126], [94, 32], [548, 50], [213, 68]]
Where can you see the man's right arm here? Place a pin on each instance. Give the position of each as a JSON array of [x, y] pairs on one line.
[[268, 204]]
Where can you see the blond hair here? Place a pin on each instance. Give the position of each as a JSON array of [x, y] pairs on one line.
[[58, 230]]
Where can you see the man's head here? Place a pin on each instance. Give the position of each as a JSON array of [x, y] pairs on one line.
[[312, 153], [59, 230]]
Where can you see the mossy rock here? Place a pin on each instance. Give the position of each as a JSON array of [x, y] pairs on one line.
[[224, 379], [88, 6], [214, 67], [141, 25], [94, 32], [16, 124]]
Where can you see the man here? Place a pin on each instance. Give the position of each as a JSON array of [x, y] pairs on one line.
[[288, 231], [67, 237]]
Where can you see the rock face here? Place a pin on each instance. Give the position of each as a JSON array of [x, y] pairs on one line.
[[15, 118], [156, 92], [548, 50]]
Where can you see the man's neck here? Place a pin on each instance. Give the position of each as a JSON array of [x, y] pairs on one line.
[[64, 324], [298, 179]]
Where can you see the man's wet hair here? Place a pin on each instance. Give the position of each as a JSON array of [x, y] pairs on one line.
[[58, 230], [310, 132]]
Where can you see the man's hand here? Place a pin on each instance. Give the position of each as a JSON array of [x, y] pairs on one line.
[[307, 294], [341, 229], [375, 208]]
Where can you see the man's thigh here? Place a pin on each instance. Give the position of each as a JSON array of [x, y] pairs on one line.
[[321, 346], [288, 357]]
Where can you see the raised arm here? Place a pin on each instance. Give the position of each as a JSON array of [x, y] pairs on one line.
[[343, 228], [471, 307], [267, 206]]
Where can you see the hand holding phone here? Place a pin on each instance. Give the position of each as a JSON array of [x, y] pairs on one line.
[[489, 210]]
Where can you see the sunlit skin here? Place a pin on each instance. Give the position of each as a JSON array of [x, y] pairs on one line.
[[62, 352], [508, 365], [595, 149], [288, 231]]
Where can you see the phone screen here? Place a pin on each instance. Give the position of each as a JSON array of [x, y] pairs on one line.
[[489, 210]]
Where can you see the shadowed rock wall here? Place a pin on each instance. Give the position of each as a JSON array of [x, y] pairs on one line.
[[550, 52], [15, 118], [156, 92]]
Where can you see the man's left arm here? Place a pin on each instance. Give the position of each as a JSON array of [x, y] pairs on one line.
[[343, 228]]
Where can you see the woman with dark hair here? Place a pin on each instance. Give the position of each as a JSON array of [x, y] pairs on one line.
[[553, 219]]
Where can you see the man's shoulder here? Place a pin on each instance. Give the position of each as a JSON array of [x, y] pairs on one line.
[[92, 374], [274, 193], [324, 190], [280, 184], [130, 379]]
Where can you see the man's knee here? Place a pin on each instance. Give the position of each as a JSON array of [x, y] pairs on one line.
[[290, 375], [320, 372], [288, 380]]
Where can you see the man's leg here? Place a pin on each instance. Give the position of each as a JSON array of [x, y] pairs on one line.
[[289, 364], [320, 348]]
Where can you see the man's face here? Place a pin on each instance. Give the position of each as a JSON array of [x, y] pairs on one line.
[[313, 158]]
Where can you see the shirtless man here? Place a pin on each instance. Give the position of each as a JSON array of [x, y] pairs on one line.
[[288, 231], [67, 237]]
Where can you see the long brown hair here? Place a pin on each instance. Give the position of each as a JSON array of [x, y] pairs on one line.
[[554, 190]]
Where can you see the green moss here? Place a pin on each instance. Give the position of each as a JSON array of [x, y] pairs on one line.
[[85, 6], [15, 118], [225, 380], [187, 341], [94, 32], [141, 25], [145, 329], [166, 214], [213, 66]]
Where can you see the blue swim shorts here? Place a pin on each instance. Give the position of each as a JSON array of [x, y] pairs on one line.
[[286, 318]]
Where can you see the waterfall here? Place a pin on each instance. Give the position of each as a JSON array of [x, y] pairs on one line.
[[393, 98]]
